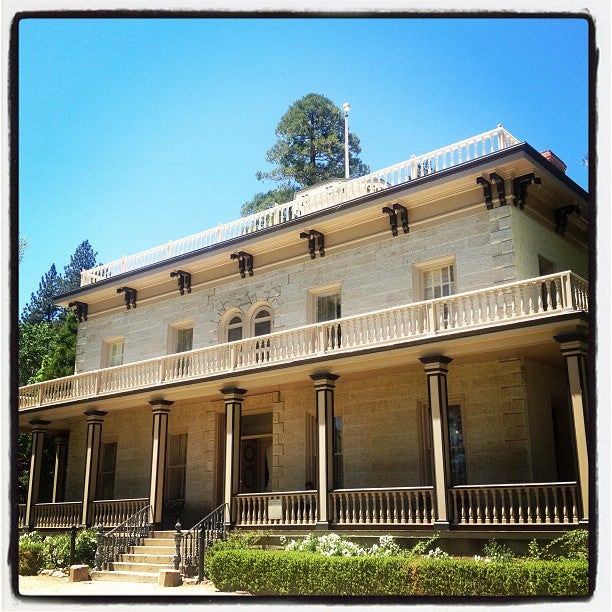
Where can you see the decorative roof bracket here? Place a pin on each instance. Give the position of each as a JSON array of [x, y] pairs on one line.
[[397, 211], [520, 186], [184, 280], [130, 296], [501, 189], [245, 262], [486, 187], [316, 240], [80, 310], [561, 215]]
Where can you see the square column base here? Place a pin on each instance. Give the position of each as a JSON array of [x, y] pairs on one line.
[[322, 526]]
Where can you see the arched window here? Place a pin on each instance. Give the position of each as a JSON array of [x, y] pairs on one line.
[[262, 322], [234, 328]]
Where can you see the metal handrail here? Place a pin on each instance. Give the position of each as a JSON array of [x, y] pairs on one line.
[[117, 540], [192, 545]]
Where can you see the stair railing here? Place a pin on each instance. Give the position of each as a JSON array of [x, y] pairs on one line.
[[194, 542], [117, 541]]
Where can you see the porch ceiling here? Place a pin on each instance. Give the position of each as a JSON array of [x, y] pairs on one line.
[[531, 340]]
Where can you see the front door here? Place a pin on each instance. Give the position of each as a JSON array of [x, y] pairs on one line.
[[255, 464]]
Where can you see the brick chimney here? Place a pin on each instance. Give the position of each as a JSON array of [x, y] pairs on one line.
[[554, 160]]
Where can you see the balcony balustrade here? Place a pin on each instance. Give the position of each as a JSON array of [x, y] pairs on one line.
[[113, 512], [513, 302], [276, 509], [312, 200], [396, 506], [516, 504]]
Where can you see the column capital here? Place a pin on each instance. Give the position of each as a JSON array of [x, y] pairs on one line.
[[435, 364], [38, 425], [95, 416], [160, 406], [233, 393], [324, 380], [572, 343]]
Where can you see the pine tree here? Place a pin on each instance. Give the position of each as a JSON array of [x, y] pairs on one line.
[[83, 258], [41, 307]]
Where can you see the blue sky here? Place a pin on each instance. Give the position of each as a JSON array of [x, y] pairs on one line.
[[134, 132]]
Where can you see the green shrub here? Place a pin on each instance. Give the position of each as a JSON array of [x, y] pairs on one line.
[[571, 546], [85, 547], [332, 544], [30, 557], [57, 550], [299, 573], [497, 552], [54, 550]]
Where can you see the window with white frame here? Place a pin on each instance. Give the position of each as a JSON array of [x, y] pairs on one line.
[[324, 304], [438, 282], [180, 337], [262, 322], [434, 278], [235, 328], [112, 352]]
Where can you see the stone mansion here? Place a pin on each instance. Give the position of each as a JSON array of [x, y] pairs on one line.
[[402, 352]]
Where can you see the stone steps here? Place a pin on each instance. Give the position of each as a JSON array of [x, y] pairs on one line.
[[142, 563], [113, 576]]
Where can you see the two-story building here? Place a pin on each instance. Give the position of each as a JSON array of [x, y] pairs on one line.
[[402, 351]]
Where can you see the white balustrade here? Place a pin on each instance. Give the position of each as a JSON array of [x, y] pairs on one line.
[[532, 503], [113, 512], [393, 506], [532, 298], [266, 509], [311, 200]]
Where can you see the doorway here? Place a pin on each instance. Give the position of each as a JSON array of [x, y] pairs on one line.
[[256, 464]]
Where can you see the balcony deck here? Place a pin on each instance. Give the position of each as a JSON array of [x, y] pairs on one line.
[[532, 299], [311, 200]]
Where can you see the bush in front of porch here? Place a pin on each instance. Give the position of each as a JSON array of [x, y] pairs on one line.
[[297, 573], [330, 564], [37, 551]]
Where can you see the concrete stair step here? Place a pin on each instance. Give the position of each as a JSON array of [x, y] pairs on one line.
[[151, 550], [158, 542], [126, 566], [163, 535], [146, 557], [125, 576]]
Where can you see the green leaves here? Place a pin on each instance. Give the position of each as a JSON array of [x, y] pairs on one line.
[[310, 144]]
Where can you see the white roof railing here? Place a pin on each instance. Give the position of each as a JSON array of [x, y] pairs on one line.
[[310, 200]]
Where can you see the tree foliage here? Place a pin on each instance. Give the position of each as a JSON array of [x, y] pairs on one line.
[[261, 201], [310, 144], [41, 308], [47, 349], [83, 258], [309, 150]]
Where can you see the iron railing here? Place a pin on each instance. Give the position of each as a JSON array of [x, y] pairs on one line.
[[192, 545], [117, 541]]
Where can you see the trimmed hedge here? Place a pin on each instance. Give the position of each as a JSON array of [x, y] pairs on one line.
[[298, 573]]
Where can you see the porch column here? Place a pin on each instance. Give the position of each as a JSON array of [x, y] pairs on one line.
[[574, 348], [95, 418], [436, 369], [161, 410], [231, 485], [39, 430], [324, 389], [59, 473]]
